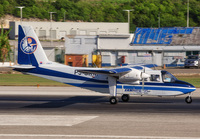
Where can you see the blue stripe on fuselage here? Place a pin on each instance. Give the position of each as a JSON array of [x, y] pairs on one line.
[[172, 84], [89, 85], [48, 72], [161, 88]]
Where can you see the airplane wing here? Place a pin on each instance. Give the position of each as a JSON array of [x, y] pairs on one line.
[[106, 71], [117, 71], [141, 66]]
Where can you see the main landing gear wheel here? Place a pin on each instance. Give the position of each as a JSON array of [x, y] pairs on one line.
[[188, 99], [125, 97], [113, 100]]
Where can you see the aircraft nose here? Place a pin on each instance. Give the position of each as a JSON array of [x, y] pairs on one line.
[[188, 87], [191, 87]]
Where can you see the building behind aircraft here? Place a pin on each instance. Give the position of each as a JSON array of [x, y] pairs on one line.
[[162, 46]]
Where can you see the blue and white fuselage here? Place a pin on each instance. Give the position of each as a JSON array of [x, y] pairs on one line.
[[98, 82], [129, 80]]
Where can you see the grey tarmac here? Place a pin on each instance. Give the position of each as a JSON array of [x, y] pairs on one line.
[[74, 113]]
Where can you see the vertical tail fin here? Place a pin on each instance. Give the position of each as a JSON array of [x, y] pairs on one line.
[[30, 51]]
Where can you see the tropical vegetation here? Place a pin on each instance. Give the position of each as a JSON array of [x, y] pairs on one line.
[[5, 47], [145, 14]]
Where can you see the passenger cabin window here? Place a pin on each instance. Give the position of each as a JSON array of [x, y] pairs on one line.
[[155, 78]]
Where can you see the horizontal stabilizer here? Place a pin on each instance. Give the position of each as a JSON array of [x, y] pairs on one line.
[[23, 67]]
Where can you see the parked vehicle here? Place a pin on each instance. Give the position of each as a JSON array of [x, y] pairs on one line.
[[192, 61]]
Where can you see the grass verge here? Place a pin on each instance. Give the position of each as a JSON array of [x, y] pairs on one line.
[[26, 80], [194, 80]]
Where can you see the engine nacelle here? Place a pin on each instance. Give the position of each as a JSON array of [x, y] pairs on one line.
[[132, 76]]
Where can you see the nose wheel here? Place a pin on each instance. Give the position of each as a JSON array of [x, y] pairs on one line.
[[188, 99]]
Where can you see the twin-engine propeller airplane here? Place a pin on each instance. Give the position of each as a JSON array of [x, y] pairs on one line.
[[129, 80]]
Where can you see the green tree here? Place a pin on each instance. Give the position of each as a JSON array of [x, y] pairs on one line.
[[145, 14], [5, 47], [1, 11], [26, 3]]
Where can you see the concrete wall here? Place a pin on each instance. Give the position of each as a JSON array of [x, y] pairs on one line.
[[60, 29], [113, 42]]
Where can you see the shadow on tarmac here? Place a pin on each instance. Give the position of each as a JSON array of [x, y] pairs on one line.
[[99, 104]]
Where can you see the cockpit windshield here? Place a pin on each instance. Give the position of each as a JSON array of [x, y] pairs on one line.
[[168, 77]]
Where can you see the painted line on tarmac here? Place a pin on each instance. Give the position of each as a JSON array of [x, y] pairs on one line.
[[93, 136], [43, 120]]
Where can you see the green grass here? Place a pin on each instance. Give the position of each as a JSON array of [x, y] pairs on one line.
[[26, 80], [194, 80], [29, 80]]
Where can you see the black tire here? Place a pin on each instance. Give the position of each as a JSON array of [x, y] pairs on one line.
[[125, 97], [113, 100], [188, 99]]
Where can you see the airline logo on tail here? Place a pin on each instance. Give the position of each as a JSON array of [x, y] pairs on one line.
[[28, 45]]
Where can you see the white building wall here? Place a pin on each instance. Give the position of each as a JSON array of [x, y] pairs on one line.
[[114, 42], [106, 58], [60, 29]]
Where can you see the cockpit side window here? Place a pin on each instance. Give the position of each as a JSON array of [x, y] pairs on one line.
[[155, 77], [168, 77]]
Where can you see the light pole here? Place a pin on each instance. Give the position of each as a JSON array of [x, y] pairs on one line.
[[128, 18], [64, 16], [20, 7], [159, 20], [188, 4], [51, 15], [51, 26]]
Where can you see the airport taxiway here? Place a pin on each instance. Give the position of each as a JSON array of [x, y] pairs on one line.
[[70, 112]]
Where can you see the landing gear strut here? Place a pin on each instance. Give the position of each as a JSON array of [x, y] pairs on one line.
[[125, 97], [112, 81], [188, 99]]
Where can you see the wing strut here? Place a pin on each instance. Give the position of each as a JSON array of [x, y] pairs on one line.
[[112, 81]]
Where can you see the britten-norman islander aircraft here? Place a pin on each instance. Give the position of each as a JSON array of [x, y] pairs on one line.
[[128, 80]]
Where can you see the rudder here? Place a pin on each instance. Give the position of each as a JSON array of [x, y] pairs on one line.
[[30, 51]]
